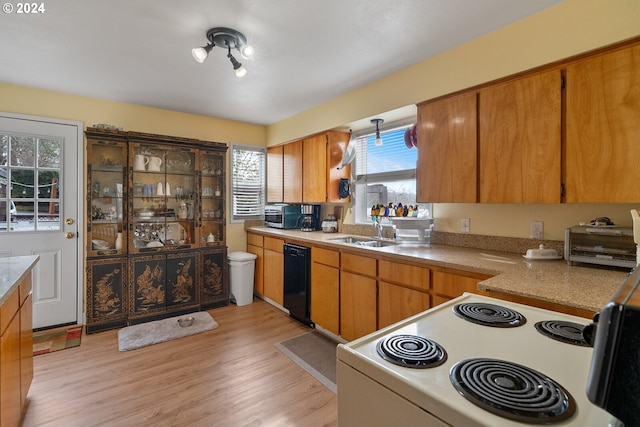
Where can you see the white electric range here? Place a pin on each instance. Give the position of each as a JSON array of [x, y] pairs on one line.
[[516, 367]]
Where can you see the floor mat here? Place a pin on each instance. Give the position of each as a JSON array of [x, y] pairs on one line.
[[51, 340], [316, 354], [144, 334]]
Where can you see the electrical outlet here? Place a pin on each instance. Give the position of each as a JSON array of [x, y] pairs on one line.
[[537, 230], [464, 225]]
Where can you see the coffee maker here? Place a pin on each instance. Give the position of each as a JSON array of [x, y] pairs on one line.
[[310, 218]]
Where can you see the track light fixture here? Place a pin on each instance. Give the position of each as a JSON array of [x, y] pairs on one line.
[[377, 122], [226, 38]]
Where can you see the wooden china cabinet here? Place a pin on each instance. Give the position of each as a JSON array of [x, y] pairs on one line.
[[156, 238]]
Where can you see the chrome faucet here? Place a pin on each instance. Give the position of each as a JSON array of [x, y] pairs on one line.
[[377, 225]]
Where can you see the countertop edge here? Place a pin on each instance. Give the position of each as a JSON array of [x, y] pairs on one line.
[[13, 270]]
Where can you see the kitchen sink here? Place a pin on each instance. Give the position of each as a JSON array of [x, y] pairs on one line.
[[364, 241]]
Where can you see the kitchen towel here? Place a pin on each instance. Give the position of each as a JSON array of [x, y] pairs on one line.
[[144, 334]]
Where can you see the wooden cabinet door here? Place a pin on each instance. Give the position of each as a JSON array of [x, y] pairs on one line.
[[26, 348], [325, 296], [314, 154], [396, 303], [275, 174], [107, 296], [447, 150], [450, 285], [215, 278], [337, 143], [603, 131], [358, 312], [258, 276], [183, 280], [10, 372], [520, 140], [292, 172], [274, 276]]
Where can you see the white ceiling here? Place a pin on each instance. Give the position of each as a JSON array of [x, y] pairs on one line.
[[307, 51]]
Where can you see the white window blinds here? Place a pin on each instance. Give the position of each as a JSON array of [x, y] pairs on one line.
[[247, 182]]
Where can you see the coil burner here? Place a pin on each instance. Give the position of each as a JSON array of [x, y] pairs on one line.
[[411, 351], [512, 391], [489, 315], [560, 330]]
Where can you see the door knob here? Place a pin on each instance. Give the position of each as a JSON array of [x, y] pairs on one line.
[[69, 221], [70, 235]]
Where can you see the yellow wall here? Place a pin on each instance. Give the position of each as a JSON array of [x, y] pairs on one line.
[[23, 100]]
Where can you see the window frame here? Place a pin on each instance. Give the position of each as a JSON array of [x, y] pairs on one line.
[[262, 192], [360, 182]]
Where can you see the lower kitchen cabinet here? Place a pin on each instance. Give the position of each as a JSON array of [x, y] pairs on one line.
[[403, 290], [163, 284], [358, 296], [325, 289], [274, 270], [16, 353], [107, 297], [358, 312], [396, 303], [215, 290], [447, 286], [255, 246]]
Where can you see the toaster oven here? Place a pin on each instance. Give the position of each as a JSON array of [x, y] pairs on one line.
[[601, 245]]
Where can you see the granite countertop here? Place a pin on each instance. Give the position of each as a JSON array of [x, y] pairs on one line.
[[12, 271], [554, 281]]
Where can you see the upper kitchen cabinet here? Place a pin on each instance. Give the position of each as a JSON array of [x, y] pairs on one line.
[[292, 172], [447, 150], [319, 181], [520, 140], [337, 143], [314, 161], [275, 170], [602, 128], [322, 155]]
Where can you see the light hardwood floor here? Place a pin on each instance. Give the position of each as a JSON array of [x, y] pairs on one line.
[[230, 376]]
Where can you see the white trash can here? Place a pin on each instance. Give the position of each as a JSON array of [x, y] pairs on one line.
[[241, 268]]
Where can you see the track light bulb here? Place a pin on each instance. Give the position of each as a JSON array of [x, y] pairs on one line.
[[246, 51], [378, 141], [239, 69], [201, 53]]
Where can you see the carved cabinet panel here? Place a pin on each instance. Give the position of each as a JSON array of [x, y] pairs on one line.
[[215, 290], [162, 284], [106, 293]]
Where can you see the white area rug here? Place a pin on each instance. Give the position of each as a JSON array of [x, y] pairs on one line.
[[145, 334]]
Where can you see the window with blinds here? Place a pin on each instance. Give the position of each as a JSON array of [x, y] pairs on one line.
[[386, 173], [248, 182]]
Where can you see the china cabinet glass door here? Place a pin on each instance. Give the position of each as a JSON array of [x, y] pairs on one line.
[[212, 173], [164, 199], [106, 197]]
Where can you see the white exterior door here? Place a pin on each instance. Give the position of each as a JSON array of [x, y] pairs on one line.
[[40, 210]]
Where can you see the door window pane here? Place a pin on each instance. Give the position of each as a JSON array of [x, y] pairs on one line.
[[29, 183]]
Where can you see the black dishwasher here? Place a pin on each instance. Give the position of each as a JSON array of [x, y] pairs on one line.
[[297, 282]]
